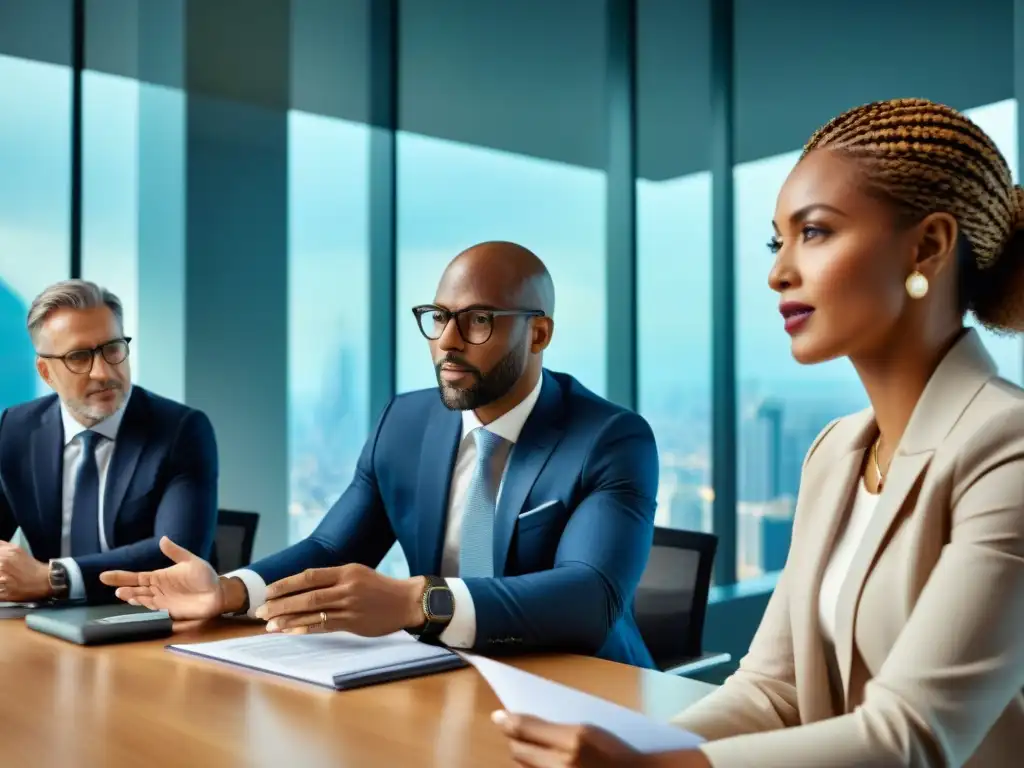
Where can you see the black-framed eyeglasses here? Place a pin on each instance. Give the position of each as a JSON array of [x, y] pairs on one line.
[[114, 352], [474, 324]]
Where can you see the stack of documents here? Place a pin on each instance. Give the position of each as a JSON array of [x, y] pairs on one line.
[[341, 660], [338, 660]]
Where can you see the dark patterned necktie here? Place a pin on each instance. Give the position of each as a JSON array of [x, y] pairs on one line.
[[85, 515]]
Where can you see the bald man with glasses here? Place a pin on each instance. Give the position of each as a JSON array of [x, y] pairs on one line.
[[96, 473], [524, 503]]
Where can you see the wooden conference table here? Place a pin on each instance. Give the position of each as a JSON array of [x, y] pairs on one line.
[[141, 705]]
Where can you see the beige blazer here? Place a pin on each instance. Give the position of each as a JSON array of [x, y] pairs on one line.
[[929, 637]]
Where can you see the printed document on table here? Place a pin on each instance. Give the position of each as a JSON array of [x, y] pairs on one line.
[[526, 694], [318, 658]]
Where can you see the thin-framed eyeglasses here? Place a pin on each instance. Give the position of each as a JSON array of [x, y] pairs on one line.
[[474, 324], [81, 361]]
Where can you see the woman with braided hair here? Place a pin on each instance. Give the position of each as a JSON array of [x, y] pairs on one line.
[[894, 635]]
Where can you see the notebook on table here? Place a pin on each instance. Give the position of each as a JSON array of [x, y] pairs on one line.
[[338, 660], [10, 610], [95, 624]]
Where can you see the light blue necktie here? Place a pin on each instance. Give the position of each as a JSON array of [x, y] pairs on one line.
[[476, 552]]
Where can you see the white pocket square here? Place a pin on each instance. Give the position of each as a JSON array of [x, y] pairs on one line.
[[535, 510]]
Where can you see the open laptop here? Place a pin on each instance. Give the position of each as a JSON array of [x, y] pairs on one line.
[[96, 624]]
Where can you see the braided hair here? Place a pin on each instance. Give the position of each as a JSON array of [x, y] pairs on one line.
[[923, 157]]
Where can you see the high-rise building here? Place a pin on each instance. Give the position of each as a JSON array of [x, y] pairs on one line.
[[776, 533], [761, 478], [763, 531], [691, 510], [748, 539]]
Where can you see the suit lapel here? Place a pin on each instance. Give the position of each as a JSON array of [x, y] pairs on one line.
[[902, 478], [959, 377], [131, 440], [540, 434], [437, 461], [47, 452], [828, 498]]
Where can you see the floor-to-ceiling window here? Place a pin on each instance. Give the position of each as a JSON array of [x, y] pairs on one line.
[[328, 299], [133, 116], [328, 256], [673, 246], [35, 155]]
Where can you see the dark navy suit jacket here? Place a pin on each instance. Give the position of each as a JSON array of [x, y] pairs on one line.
[[162, 481], [568, 572]]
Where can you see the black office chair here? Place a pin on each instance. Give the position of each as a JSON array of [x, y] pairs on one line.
[[672, 599], [232, 544]]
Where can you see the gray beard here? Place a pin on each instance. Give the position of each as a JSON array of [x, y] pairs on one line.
[[94, 413]]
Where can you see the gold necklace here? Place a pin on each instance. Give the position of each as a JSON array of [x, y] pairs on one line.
[[878, 467]]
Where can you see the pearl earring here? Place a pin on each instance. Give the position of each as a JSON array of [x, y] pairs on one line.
[[917, 285]]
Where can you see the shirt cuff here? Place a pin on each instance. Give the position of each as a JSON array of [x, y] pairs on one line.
[[254, 585], [461, 630], [76, 584]]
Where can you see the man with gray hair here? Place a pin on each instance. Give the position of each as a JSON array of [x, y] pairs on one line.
[[95, 474]]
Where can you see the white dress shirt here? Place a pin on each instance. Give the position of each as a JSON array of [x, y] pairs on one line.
[[461, 631], [108, 428], [836, 571]]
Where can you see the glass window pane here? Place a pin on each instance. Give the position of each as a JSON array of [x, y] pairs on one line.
[[782, 405], [133, 176], [35, 155], [328, 307], [452, 196], [674, 254], [328, 255], [999, 121], [110, 193]]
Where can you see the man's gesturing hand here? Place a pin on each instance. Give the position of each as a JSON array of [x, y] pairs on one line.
[[351, 597], [188, 590]]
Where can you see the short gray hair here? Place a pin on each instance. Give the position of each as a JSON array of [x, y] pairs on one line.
[[71, 294]]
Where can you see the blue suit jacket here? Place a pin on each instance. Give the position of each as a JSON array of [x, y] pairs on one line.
[[162, 480], [568, 572]]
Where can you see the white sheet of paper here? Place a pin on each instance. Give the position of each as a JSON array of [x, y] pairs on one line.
[[527, 694], [315, 658]]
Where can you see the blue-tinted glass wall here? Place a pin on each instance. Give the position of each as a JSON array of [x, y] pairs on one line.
[[329, 221], [674, 253], [35, 155]]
